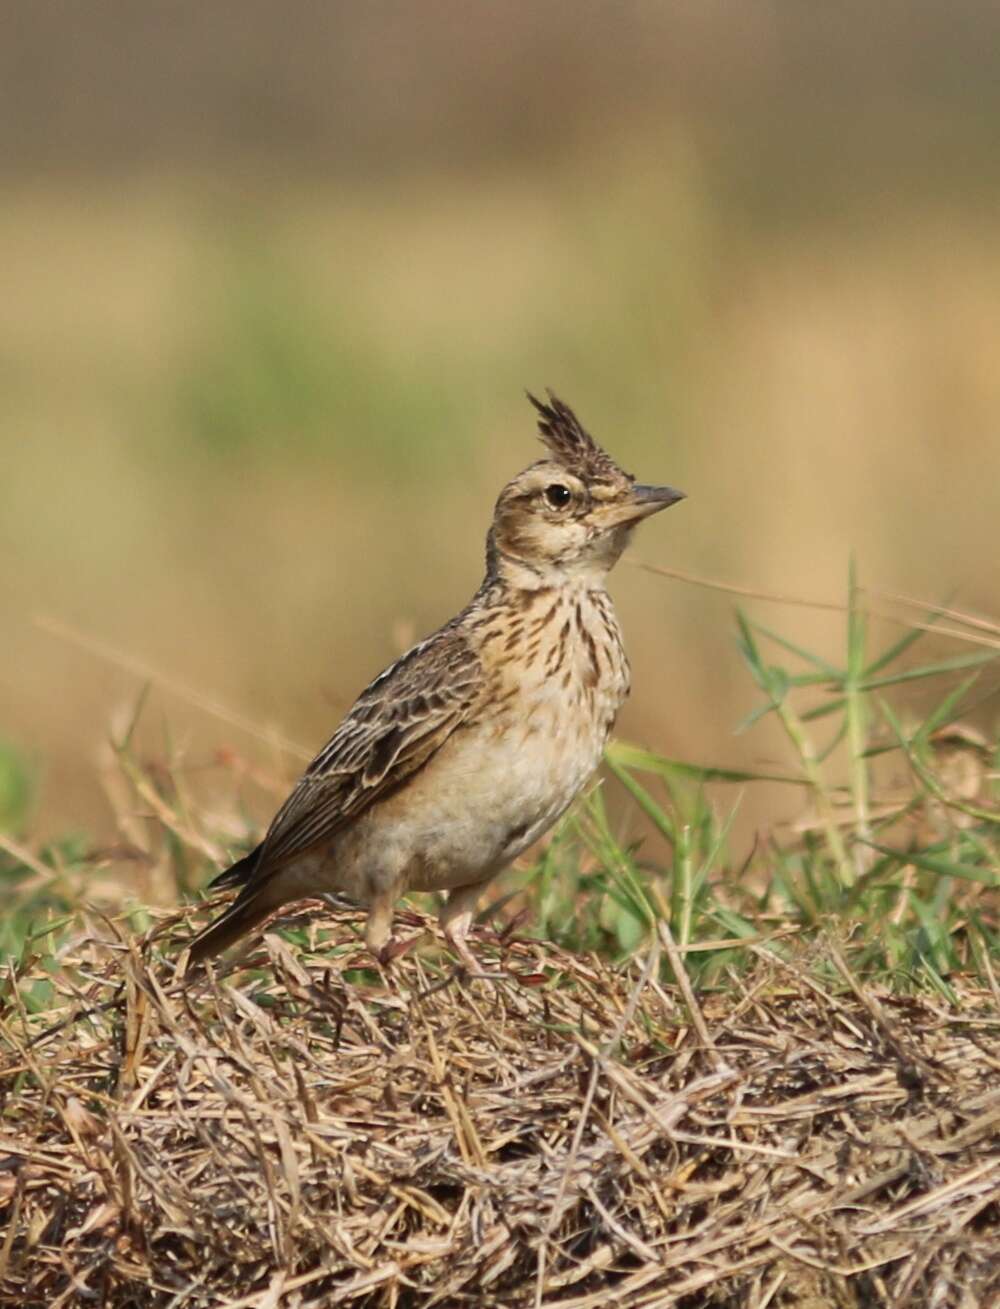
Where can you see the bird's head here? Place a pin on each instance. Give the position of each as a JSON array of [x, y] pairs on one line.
[[571, 514]]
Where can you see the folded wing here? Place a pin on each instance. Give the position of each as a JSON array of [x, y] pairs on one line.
[[397, 725]]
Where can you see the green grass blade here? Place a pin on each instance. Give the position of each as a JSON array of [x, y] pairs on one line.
[[823, 710], [622, 755], [895, 651], [931, 670], [751, 654], [753, 717], [830, 673], [823, 755], [946, 710], [941, 866], [652, 810]]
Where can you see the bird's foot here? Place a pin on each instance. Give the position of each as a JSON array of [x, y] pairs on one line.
[[469, 966], [395, 949]]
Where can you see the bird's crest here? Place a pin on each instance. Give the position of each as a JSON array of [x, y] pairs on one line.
[[571, 445]]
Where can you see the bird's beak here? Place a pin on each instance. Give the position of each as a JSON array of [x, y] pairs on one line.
[[651, 499], [642, 501], [638, 502]]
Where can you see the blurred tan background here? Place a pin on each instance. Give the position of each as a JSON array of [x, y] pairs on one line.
[[275, 277]]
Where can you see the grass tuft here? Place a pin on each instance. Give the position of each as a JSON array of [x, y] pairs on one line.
[[302, 1129]]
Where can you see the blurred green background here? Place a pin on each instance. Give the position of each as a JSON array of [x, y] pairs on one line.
[[276, 276]]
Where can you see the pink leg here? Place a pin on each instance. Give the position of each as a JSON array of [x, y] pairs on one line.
[[378, 928], [456, 919]]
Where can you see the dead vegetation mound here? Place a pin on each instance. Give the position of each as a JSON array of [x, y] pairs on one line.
[[293, 1133]]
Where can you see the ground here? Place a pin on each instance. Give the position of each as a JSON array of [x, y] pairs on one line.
[[298, 1129]]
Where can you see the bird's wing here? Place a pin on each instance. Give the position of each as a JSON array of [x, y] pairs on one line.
[[397, 725]]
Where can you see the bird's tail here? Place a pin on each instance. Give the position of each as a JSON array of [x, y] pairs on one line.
[[249, 908], [239, 873]]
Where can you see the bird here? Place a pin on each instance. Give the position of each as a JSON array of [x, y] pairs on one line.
[[470, 747]]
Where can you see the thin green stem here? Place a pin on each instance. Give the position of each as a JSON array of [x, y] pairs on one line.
[[857, 725], [799, 738]]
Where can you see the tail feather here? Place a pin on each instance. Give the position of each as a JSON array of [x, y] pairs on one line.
[[247, 910], [239, 873]]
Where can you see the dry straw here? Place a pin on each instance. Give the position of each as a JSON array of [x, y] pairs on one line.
[[289, 1132]]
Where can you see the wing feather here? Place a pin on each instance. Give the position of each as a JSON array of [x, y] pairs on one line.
[[397, 725]]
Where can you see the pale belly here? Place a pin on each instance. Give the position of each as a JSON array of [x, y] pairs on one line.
[[487, 796]]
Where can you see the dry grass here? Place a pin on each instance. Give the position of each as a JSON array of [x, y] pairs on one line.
[[299, 1131]]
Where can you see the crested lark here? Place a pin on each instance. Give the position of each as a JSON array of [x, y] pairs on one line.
[[472, 744]]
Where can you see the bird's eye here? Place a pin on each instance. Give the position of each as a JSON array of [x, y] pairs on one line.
[[558, 495]]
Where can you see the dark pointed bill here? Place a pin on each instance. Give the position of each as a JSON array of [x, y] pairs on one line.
[[651, 499]]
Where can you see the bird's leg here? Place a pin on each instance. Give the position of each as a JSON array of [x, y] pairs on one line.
[[456, 919], [378, 929]]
